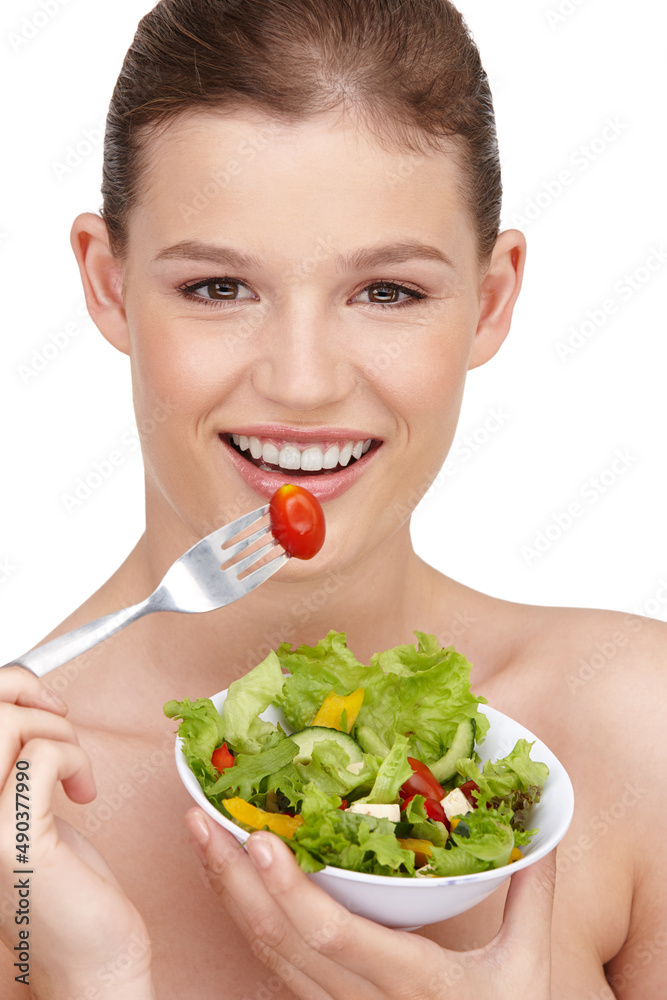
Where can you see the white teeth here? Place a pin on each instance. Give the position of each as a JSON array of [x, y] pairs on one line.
[[270, 454], [330, 460], [312, 459], [255, 447], [290, 457]]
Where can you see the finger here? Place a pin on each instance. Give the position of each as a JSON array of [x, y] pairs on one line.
[[20, 686], [236, 882], [49, 761], [374, 953], [19, 725], [529, 907]]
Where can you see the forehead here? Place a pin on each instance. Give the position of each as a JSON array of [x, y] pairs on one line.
[[275, 185]]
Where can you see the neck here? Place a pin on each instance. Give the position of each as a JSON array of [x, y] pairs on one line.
[[378, 602]]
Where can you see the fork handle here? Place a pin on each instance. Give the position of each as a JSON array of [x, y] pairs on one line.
[[65, 647]]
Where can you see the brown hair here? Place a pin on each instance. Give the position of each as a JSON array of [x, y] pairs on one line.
[[409, 69]]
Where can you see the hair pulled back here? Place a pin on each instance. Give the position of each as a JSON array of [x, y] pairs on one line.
[[409, 69]]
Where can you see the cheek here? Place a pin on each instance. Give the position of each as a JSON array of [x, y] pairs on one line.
[[423, 372], [189, 374]]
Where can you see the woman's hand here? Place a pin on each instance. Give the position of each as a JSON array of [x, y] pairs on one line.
[[324, 952], [83, 931]]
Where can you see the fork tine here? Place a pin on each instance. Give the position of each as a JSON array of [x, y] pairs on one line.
[[254, 579], [240, 546], [229, 530], [252, 558]]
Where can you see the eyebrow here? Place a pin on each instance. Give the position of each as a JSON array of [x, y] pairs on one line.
[[374, 256]]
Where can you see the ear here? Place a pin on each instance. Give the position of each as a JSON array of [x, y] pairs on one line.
[[499, 290], [102, 279]]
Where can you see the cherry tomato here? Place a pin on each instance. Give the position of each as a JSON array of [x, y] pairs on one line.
[[468, 787], [423, 782], [297, 521], [222, 758], [433, 809]]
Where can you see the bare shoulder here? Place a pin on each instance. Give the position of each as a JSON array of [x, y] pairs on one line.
[[602, 659], [596, 684]]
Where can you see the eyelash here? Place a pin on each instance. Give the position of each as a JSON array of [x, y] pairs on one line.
[[187, 292]]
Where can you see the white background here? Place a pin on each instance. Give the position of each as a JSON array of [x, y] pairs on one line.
[[557, 78]]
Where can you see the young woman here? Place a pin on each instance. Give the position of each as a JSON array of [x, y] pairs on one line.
[[295, 192]]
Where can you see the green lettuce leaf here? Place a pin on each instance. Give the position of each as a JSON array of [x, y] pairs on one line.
[[315, 672], [201, 730], [250, 770], [514, 781], [445, 863], [393, 772], [484, 837], [348, 840], [246, 699], [423, 693], [328, 770]]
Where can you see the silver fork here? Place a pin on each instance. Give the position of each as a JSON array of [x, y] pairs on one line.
[[194, 583]]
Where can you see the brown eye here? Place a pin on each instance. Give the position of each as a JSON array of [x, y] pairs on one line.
[[222, 289], [385, 294]]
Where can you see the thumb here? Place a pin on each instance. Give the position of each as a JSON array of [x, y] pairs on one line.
[[529, 907]]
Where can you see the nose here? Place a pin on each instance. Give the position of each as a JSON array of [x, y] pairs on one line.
[[303, 364]]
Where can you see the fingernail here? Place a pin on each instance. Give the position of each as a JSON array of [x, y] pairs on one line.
[[260, 851], [199, 835], [52, 699]]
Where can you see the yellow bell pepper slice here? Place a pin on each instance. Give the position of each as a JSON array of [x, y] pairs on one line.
[[330, 711], [246, 813], [421, 848], [516, 855]]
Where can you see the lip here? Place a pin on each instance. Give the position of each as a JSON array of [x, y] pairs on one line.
[[324, 487]]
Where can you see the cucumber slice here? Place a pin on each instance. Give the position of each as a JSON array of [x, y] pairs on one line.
[[371, 742], [307, 738], [463, 745]]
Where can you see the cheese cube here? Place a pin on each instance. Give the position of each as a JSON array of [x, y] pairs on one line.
[[455, 804], [390, 811]]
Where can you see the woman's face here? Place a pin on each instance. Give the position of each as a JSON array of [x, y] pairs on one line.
[[301, 306]]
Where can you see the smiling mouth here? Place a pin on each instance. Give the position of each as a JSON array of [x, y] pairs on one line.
[[272, 455]]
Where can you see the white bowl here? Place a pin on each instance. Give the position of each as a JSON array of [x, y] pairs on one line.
[[409, 903]]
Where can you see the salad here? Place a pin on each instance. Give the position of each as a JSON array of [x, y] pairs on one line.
[[379, 773]]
